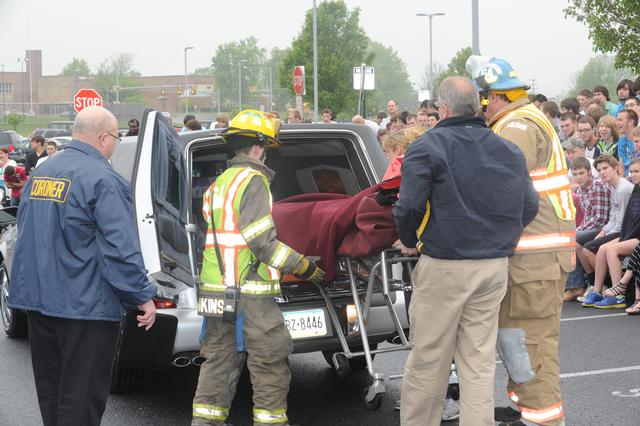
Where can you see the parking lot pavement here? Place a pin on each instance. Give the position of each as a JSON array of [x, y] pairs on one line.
[[599, 364]]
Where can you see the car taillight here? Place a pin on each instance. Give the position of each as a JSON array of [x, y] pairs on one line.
[[164, 303]]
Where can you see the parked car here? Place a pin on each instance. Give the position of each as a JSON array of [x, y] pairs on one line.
[[65, 125], [16, 144], [169, 174], [50, 133]]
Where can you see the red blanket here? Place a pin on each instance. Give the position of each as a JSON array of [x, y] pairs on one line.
[[331, 225]]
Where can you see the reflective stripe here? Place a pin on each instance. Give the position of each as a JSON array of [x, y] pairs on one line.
[[214, 287], [274, 274], [260, 287], [212, 412], [229, 214], [546, 241], [513, 396], [226, 239], [229, 255], [270, 417], [545, 415], [257, 228], [280, 256], [551, 183]]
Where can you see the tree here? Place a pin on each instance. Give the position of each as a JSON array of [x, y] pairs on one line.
[[14, 119], [600, 70], [613, 27], [392, 80], [234, 60], [342, 44], [456, 67], [114, 75], [76, 68]]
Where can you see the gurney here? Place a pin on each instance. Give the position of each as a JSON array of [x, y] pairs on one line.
[[352, 237]]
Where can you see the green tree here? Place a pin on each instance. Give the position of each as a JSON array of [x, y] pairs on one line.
[[76, 68], [342, 44], [600, 70], [14, 119], [614, 27], [456, 67], [233, 60], [113, 77], [392, 80]]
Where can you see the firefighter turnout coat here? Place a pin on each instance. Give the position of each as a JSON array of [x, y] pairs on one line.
[[544, 256]]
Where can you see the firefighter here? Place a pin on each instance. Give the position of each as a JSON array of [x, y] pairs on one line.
[[242, 265], [545, 253]]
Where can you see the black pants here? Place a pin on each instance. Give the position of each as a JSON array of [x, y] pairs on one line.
[[72, 362]]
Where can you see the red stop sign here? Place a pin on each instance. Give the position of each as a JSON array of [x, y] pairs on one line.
[[298, 80], [86, 98]]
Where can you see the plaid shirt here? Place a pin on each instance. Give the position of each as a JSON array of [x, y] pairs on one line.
[[595, 200]]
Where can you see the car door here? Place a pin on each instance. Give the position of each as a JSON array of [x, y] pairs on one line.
[[160, 191]]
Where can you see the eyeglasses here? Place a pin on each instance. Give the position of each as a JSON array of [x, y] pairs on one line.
[[117, 138], [585, 130]]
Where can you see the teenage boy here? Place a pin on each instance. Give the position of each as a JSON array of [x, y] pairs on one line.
[[607, 167], [595, 200], [626, 121], [587, 132]]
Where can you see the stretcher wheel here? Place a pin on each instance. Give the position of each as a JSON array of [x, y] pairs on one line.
[[372, 400], [341, 365]]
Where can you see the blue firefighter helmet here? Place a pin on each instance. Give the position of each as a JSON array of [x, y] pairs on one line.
[[494, 74]]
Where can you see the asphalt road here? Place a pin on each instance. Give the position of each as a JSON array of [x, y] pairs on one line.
[[600, 369]]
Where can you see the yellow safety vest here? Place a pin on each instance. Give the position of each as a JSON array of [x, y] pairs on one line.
[[551, 182]]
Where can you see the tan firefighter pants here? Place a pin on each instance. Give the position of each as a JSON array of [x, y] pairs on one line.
[[267, 343], [536, 306]]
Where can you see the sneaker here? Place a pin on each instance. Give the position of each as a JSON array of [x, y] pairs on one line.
[[451, 410], [586, 293], [591, 299], [396, 405], [612, 302]]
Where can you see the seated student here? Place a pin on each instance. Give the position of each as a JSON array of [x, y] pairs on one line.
[[633, 271], [594, 199], [621, 192]]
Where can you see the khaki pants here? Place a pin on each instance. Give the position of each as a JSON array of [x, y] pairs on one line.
[[268, 345], [454, 315], [536, 306]]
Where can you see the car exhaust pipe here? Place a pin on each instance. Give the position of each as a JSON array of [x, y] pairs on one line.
[[181, 361], [198, 360]]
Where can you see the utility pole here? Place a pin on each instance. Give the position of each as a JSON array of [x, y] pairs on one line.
[[240, 83], [315, 63], [4, 101], [475, 27], [186, 90], [533, 86], [431, 82]]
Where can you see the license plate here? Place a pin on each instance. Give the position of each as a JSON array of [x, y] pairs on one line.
[[308, 323]]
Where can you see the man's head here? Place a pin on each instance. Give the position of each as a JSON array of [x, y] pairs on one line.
[[97, 127], [625, 90], [428, 106], [251, 132], [550, 109], [380, 116], [392, 107], [581, 171], [595, 110], [633, 104], [432, 119], [411, 120], [538, 100], [583, 97], [357, 119], [51, 148], [10, 171], [568, 124], [570, 104], [37, 142], [188, 117], [422, 119], [607, 168], [607, 128], [457, 97], [193, 125], [293, 116], [575, 148], [497, 82], [587, 131], [327, 115], [222, 121], [626, 121], [601, 93], [134, 127]]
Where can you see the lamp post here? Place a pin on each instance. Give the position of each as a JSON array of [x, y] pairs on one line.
[[430, 16], [186, 92], [240, 83], [4, 103], [315, 63], [22, 83]]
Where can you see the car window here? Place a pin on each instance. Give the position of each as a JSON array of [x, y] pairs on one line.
[[5, 139]]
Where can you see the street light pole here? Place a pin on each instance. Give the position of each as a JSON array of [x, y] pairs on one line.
[[186, 99], [315, 63], [475, 27], [240, 83], [430, 16], [4, 103]]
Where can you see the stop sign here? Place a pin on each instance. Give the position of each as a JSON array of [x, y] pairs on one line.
[[86, 98], [298, 80]]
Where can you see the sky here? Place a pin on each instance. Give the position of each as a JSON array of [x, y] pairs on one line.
[[533, 36]]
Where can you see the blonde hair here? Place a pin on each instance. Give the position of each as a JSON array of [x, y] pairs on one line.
[[610, 122], [414, 132], [402, 138], [635, 131]]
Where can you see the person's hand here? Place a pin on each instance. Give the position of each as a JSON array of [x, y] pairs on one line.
[[600, 235], [404, 249], [149, 315], [308, 271]]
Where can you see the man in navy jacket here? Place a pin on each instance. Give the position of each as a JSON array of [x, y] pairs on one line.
[[464, 199], [77, 262]]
